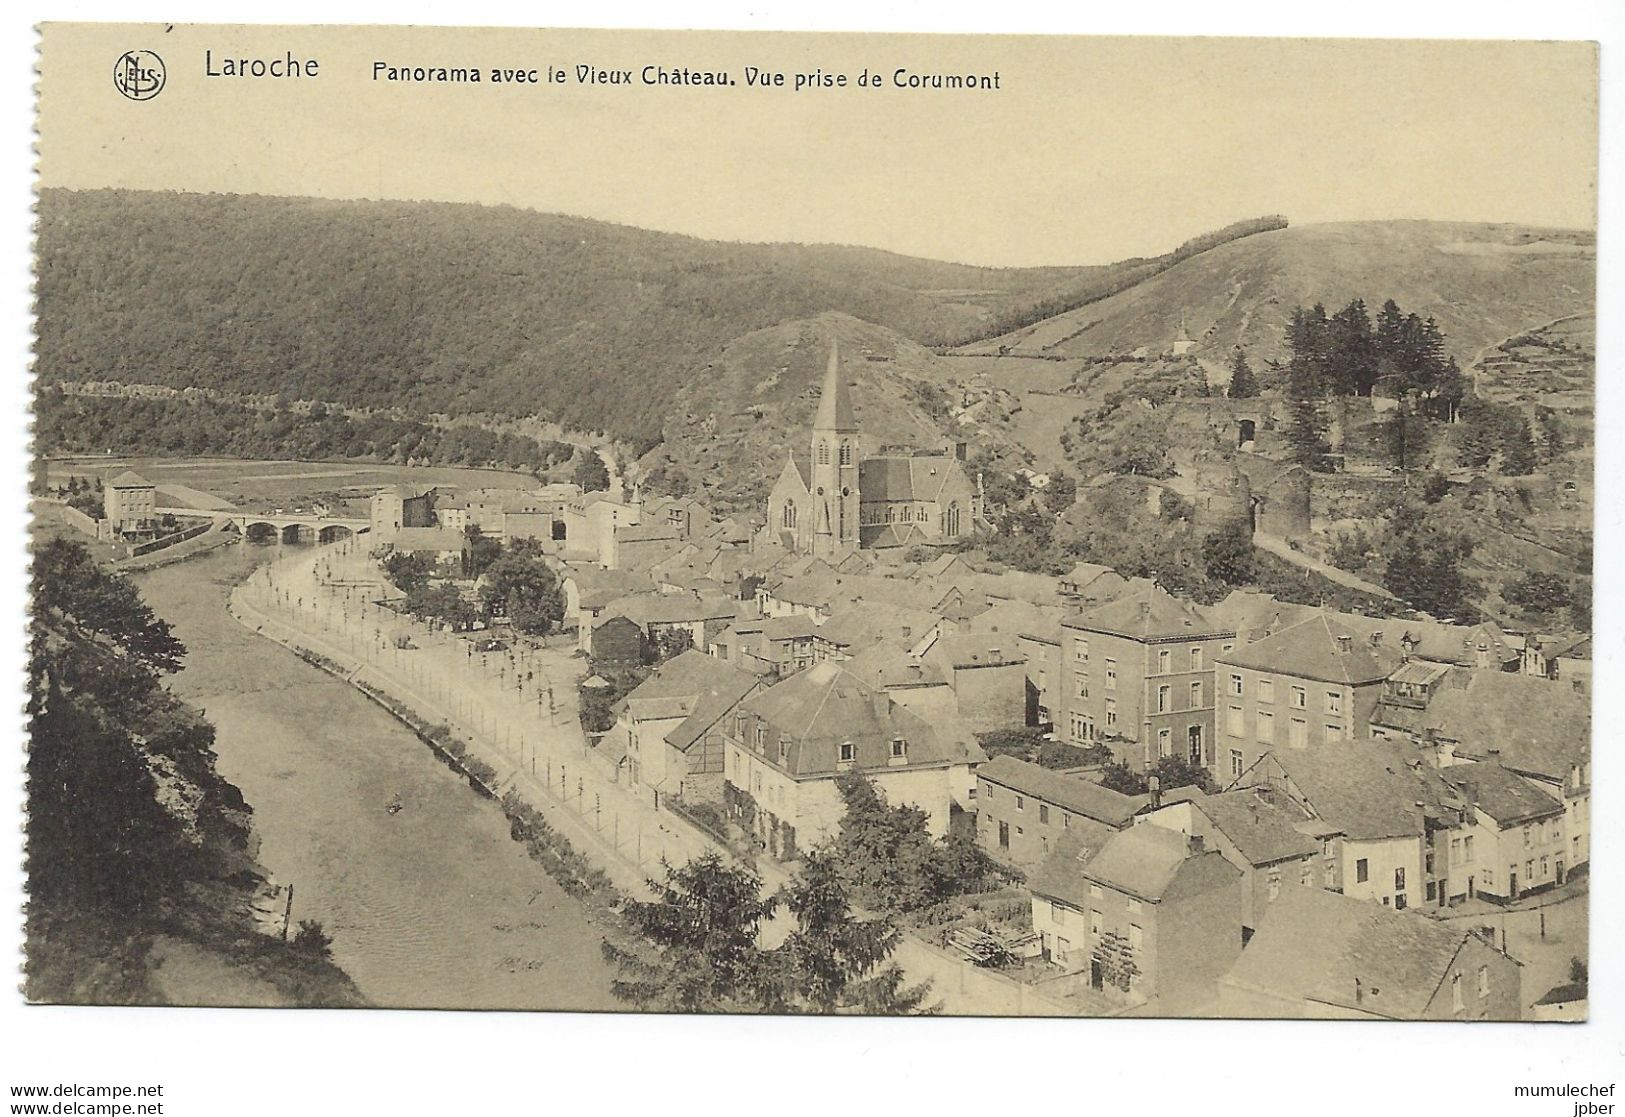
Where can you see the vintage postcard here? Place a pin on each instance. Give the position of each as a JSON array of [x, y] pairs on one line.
[[701, 522]]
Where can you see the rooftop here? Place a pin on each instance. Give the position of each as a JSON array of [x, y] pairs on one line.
[[1149, 612], [1071, 793], [1320, 648]]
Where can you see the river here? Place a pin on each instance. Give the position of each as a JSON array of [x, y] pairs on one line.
[[433, 906]]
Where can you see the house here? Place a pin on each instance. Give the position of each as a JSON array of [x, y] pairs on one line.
[[671, 723], [1024, 809], [129, 503], [786, 745], [1538, 728], [1318, 955], [775, 646], [617, 640], [852, 628], [1514, 843], [1270, 844], [589, 590], [1560, 657], [987, 673], [1150, 915], [676, 621], [1387, 817], [401, 506], [836, 500], [441, 543], [1313, 684], [1139, 678]]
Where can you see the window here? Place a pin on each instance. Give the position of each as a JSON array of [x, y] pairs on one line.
[[1234, 723], [761, 738], [1165, 661], [1306, 874], [1094, 922], [1057, 913], [1545, 866], [1136, 937], [1021, 802], [1082, 728], [1165, 742], [1043, 812], [1334, 732], [789, 515], [823, 453], [1528, 871], [1334, 701], [1094, 891], [784, 752], [1164, 698], [1111, 711], [1266, 690], [849, 752], [1467, 848], [1196, 695], [1362, 871], [1235, 685], [1066, 820], [1427, 863], [1080, 681], [1196, 659], [1300, 698], [1399, 880], [1528, 836], [1080, 650], [1483, 981], [1455, 991], [1133, 904], [1266, 727], [1455, 851], [1275, 884], [846, 453], [1235, 763], [1300, 733], [987, 791], [1111, 674], [899, 748]]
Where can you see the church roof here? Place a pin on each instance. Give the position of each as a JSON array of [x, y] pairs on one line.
[[835, 401], [917, 477]]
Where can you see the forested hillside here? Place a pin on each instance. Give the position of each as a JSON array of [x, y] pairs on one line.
[[450, 308], [136, 843]]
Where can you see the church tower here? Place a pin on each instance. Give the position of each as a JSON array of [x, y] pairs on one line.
[[835, 466]]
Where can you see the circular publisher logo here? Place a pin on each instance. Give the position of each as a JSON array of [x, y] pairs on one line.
[[139, 75]]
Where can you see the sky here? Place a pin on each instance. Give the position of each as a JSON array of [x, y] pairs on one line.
[[1092, 150]]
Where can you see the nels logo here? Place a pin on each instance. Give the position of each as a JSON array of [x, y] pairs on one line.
[[139, 75]]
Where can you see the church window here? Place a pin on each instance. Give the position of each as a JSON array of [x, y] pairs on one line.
[[823, 453], [951, 520], [789, 515], [890, 513], [846, 453]]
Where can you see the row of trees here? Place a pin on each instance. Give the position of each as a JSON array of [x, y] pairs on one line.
[[516, 585], [156, 425]]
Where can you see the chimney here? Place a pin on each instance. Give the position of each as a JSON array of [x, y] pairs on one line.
[[1197, 845], [1154, 785], [1345, 644], [882, 705], [1376, 638]]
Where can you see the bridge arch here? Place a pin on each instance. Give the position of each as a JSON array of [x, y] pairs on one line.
[[332, 533], [259, 531], [298, 533]]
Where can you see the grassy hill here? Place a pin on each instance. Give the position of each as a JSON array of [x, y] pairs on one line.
[[735, 423], [452, 308], [1482, 282]]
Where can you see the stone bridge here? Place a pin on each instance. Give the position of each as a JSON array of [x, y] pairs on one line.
[[281, 527]]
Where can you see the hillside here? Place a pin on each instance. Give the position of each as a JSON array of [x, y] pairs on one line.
[[451, 308], [1481, 282], [734, 424]]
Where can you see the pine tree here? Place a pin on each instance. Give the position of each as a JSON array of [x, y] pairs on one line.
[[703, 928], [1243, 384], [835, 962]]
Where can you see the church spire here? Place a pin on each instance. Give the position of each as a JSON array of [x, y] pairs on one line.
[[835, 402]]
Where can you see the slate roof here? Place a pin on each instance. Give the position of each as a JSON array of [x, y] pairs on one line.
[[596, 588], [647, 533], [1505, 796], [1312, 945], [977, 649], [1147, 862], [1577, 646], [1073, 793], [130, 479], [860, 626], [671, 608], [441, 539], [1368, 789], [817, 710], [911, 477], [1261, 831], [1539, 726], [835, 398], [1319, 648], [1148, 613], [890, 535]]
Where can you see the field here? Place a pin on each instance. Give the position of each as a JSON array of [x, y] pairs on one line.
[[263, 486]]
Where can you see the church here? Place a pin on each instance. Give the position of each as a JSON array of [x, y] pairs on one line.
[[833, 501]]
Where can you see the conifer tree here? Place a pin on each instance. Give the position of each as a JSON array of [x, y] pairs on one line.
[[1243, 384]]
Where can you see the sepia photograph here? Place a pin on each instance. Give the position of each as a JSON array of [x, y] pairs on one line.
[[783, 523]]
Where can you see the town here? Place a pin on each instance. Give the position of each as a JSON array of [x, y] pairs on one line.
[[1246, 808]]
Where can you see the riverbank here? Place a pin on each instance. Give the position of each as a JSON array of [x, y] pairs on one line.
[[432, 906]]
